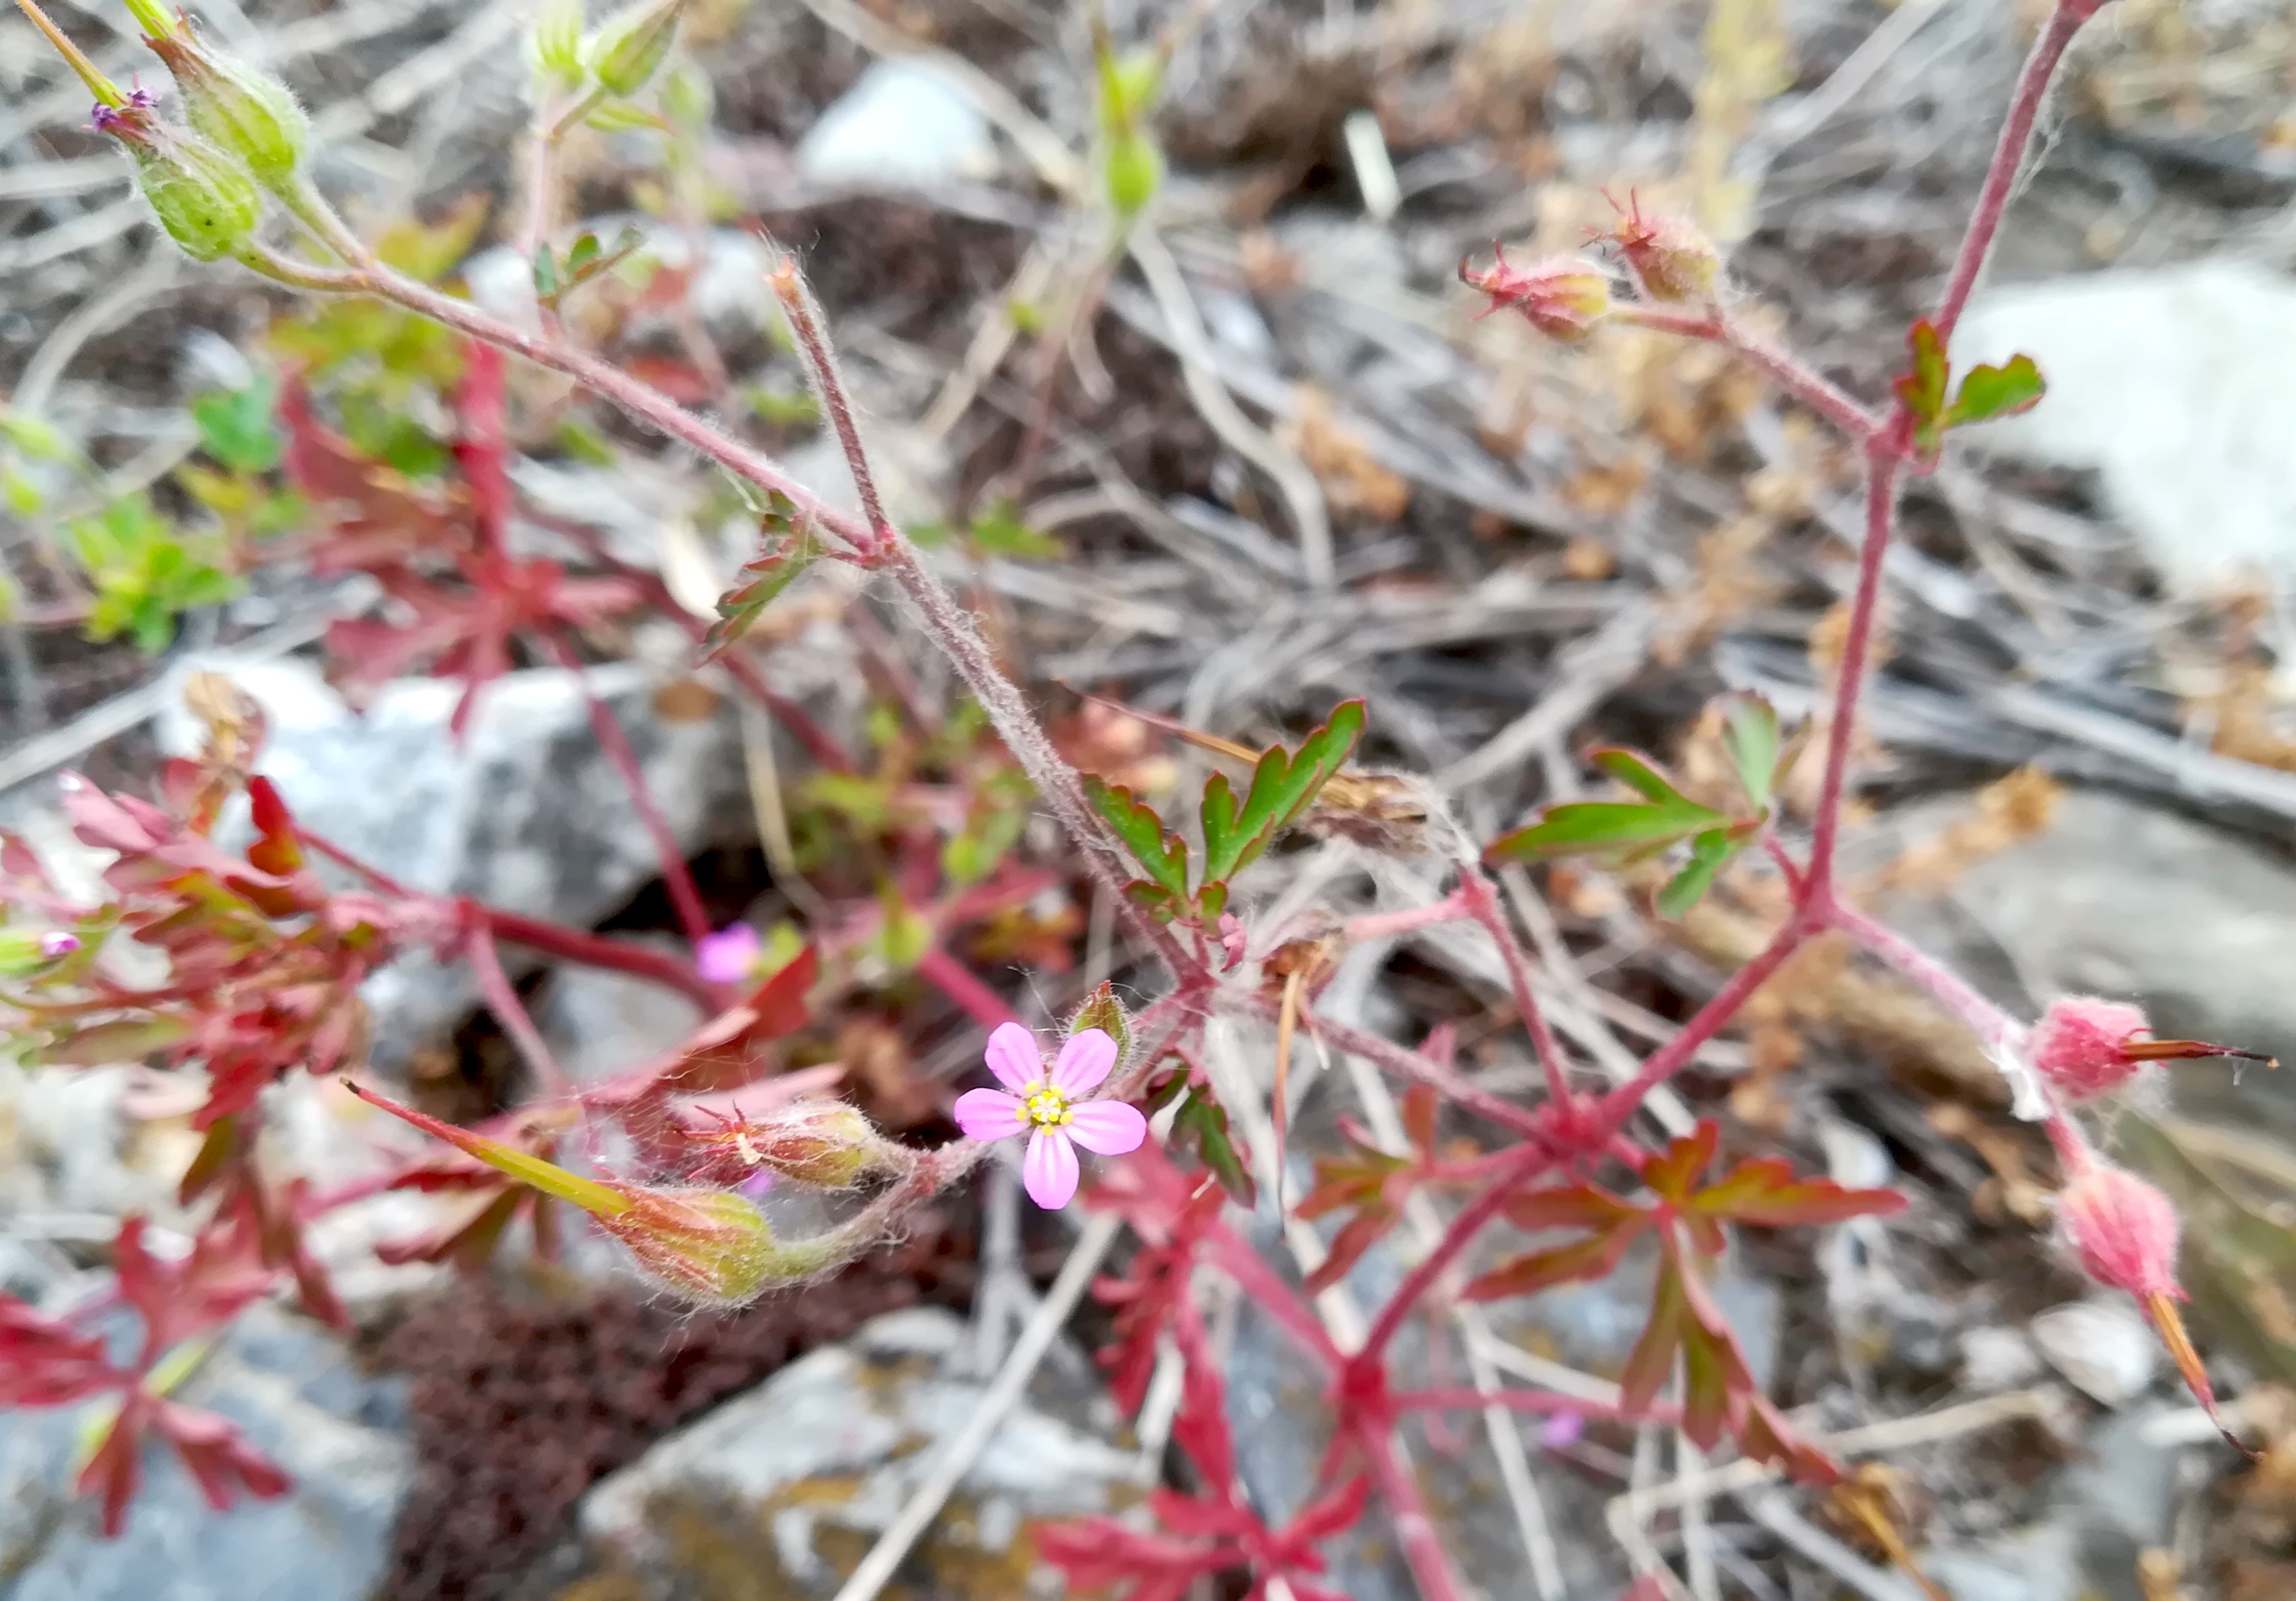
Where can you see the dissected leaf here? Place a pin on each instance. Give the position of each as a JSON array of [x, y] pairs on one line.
[[1988, 392], [1750, 733], [790, 548], [1709, 854], [1163, 856], [1665, 816], [1283, 786]]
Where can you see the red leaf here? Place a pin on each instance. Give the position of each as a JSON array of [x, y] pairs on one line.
[[1675, 1172], [1595, 1256], [729, 1051], [115, 1468], [222, 1462], [1358, 1234], [1586, 1206], [44, 1363], [1764, 1192]]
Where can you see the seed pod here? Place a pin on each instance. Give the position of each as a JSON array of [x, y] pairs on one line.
[[556, 43], [625, 52], [1671, 257], [2124, 1231], [25, 950], [236, 106], [1563, 297], [205, 199]]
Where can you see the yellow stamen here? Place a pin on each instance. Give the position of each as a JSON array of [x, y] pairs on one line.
[[1044, 1107]]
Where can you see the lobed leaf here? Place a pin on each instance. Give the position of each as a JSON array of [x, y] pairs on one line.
[[1162, 855], [1709, 854], [1750, 733], [1988, 392], [1283, 786]]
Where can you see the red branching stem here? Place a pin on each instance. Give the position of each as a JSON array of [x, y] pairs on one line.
[[1882, 467], [1406, 1063], [1992, 1026], [502, 999], [2041, 63], [1548, 1401], [374, 875], [1387, 925], [1781, 369], [596, 951], [963, 987], [1708, 1021], [1531, 1160], [684, 895], [1483, 904], [1415, 1530], [1241, 1262], [810, 329]]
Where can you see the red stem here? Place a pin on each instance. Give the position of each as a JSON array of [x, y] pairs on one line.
[[1781, 369], [597, 950], [1483, 906], [1530, 1162], [1387, 925], [1991, 1024], [502, 999], [1547, 1401], [1882, 467], [1414, 1530], [2009, 157], [961, 985], [683, 893], [1413, 1064]]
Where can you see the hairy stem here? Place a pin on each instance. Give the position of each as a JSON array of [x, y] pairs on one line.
[[1829, 401], [1531, 1160], [2041, 64], [1483, 906]]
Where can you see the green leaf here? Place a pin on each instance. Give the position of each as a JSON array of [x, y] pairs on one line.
[[1200, 1125], [764, 578], [1750, 733], [1709, 854], [1000, 531], [429, 252], [581, 254], [1283, 786], [1637, 775], [237, 427], [623, 116], [905, 936], [545, 275], [1162, 856], [35, 438], [1664, 816], [1990, 392]]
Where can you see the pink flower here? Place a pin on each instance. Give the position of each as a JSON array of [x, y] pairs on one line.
[[730, 955], [58, 944], [1048, 1107]]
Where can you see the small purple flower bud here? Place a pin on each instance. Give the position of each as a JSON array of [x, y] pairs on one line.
[[58, 944]]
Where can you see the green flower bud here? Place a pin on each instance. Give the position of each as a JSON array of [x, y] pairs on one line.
[[205, 199], [1134, 170], [626, 51], [710, 1244], [557, 44], [157, 20], [25, 950], [237, 107]]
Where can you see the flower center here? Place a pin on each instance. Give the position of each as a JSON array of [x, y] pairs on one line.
[[1044, 1107]]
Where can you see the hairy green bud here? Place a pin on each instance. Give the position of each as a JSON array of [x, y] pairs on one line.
[[236, 106], [625, 51], [557, 44], [203, 197]]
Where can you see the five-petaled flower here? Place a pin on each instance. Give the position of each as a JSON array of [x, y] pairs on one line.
[[1047, 1106]]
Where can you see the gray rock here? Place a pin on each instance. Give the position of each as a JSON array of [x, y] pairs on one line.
[[2125, 901], [795, 1478], [2172, 383], [527, 814], [298, 1398], [599, 1024], [901, 126]]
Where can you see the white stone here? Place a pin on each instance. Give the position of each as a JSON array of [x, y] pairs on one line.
[[901, 127], [2103, 1347], [2173, 385]]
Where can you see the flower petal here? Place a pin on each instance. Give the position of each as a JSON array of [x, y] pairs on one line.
[[1014, 1057], [989, 1114], [729, 955], [1086, 1058], [1110, 1127], [1048, 1172]]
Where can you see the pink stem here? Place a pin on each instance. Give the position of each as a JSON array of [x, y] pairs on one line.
[[1529, 1162], [961, 985], [1415, 1065], [2033, 81], [1387, 925], [597, 950], [1991, 1024], [683, 893], [1780, 367], [1882, 467], [1414, 1530], [1483, 906], [502, 999], [1708, 1021], [1547, 1401]]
